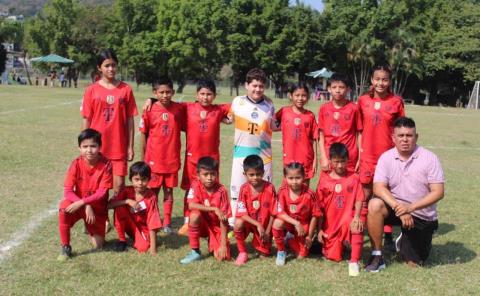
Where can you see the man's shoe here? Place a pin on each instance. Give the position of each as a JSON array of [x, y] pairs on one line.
[[191, 257], [65, 253], [353, 269], [241, 259], [375, 263], [121, 246], [183, 231], [281, 257]]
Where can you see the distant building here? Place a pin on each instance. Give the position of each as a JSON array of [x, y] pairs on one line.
[[16, 18]]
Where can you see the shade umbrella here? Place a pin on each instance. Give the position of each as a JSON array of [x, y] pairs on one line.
[[52, 58], [324, 73]]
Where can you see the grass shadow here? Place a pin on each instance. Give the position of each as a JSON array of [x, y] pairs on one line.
[[444, 228], [450, 253]]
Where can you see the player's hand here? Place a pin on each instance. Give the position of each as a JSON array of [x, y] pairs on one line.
[[267, 237], [153, 252], [227, 120], [357, 225], [300, 230], [132, 203], [407, 221], [147, 105], [261, 232], [72, 208], [321, 236], [308, 242], [222, 252], [130, 154], [89, 215], [402, 209], [357, 166], [221, 216], [324, 164]]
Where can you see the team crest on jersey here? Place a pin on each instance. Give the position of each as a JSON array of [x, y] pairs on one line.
[[206, 203], [338, 188], [165, 116], [256, 204], [203, 114], [110, 99], [297, 121], [377, 105], [254, 115], [293, 208], [336, 115]]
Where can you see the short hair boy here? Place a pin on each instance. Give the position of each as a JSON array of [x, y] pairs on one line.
[[86, 186], [254, 210], [136, 211], [209, 210]]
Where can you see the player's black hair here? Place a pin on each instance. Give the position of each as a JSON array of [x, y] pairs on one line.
[[339, 77], [208, 84], [140, 168], [253, 162], [106, 54], [162, 81], [301, 85], [382, 67], [404, 122], [207, 163], [294, 166], [256, 74], [90, 133], [338, 150]]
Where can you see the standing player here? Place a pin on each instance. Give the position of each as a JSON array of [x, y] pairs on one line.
[[254, 210], [209, 211], [160, 144], [136, 211], [299, 131], [341, 199], [378, 108], [253, 115], [339, 121], [87, 182], [296, 211]]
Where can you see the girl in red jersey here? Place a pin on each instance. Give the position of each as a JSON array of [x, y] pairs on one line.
[[379, 108], [299, 131]]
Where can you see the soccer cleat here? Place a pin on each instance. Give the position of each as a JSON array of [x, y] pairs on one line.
[[375, 263], [241, 259], [281, 257], [183, 230], [121, 246], [191, 257], [167, 230], [353, 269], [397, 242], [389, 244], [65, 254]]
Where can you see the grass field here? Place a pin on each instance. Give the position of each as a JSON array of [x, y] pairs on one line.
[[39, 127]]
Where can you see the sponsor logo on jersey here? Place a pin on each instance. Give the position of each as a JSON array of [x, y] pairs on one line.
[[110, 99], [338, 188], [165, 116], [377, 105], [241, 207]]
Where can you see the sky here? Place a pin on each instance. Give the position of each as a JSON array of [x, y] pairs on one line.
[[316, 4]]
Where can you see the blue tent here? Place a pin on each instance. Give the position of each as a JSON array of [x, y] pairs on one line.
[[324, 73]]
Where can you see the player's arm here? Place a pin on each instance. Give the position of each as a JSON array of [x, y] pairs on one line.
[[359, 147], [312, 228], [222, 250], [315, 156], [196, 206], [143, 145], [268, 231], [357, 225], [131, 135], [148, 104], [298, 226], [381, 190], [86, 123], [153, 242], [436, 193], [118, 203], [257, 224], [323, 153]]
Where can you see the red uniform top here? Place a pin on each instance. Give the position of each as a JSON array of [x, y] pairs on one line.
[[341, 125], [85, 180], [337, 199], [378, 116], [219, 198], [162, 127], [298, 133], [203, 130], [149, 217], [302, 209], [257, 207], [109, 110]]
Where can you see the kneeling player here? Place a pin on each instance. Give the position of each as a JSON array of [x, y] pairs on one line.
[[341, 198], [136, 211], [296, 211], [209, 210], [254, 213], [86, 193]]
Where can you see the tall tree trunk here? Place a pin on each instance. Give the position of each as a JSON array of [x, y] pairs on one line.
[[26, 67]]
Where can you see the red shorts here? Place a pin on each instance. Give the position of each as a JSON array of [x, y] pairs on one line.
[[366, 171], [297, 243], [119, 167], [257, 243], [124, 222], [99, 210], [214, 235], [189, 174], [158, 180], [333, 244]]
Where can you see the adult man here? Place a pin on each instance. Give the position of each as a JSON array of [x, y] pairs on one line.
[[408, 183]]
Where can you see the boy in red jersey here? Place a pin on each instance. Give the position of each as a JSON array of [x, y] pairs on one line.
[[87, 182], [136, 211], [254, 210], [379, 108], [341, 199], [209, 210], [296, 211], [339, 121], [160, 144]]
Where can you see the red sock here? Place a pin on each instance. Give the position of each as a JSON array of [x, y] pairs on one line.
[[356, 243], [294, 244], [167, 211], [194, 236], [64, 227], [119, 222], [279, 235], [240, 237], [388, 228]]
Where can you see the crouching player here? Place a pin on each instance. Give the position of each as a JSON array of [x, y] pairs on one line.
[[136, 211], [296, 211], [87, 182], [341, 199], [254, 214], [209, 210]]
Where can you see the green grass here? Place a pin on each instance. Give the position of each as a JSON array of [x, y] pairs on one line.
[[38, 141]]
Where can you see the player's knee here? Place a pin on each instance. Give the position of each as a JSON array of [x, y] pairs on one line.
[[238, 225], [194, 218], [278, 224], [376, 206]]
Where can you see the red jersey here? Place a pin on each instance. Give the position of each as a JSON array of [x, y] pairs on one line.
[[162, 126], [109, 110], [298, 134], [203, 130], [219, 198], [302, 209], [341, 125], [147, 218], [337, 199], [257, 207], [85, 180], [378, 116]]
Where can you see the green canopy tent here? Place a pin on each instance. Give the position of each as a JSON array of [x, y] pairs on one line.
[[52, 58]]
